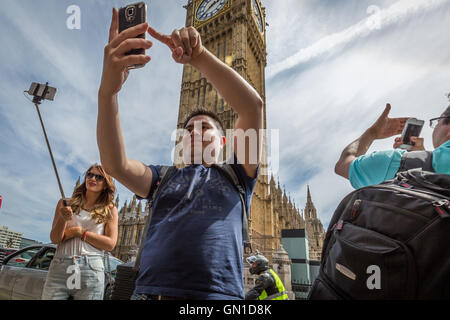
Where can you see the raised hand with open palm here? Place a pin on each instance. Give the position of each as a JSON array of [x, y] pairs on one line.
[[386, 127]]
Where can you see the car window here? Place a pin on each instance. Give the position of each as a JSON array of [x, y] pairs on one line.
[[22, 258], [4, 252], [43, 261]]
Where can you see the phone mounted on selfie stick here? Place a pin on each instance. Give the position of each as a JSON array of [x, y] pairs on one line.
[[45, 92]]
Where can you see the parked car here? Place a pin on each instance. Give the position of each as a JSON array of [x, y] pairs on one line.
[[23, 273], [6, 252]]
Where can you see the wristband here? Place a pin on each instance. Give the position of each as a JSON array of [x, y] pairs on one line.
[[83, 237]]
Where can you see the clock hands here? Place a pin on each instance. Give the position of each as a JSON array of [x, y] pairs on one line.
[[209, 6], [257, 15]]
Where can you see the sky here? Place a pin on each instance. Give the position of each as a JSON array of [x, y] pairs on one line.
[[331, 68]]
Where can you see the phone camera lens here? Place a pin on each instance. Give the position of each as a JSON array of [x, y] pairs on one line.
[[130, 13]]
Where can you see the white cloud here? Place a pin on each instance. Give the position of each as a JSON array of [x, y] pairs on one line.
[[397, 13], [330, 101], [42, 49]]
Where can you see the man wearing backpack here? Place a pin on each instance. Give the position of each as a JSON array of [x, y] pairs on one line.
[[193, 247], [389, 238], [363, 170]]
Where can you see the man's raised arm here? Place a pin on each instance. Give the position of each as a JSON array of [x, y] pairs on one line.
[[131, 173], [384, 127], [187, 47]]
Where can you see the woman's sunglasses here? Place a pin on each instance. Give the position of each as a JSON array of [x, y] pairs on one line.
[[98, 177]]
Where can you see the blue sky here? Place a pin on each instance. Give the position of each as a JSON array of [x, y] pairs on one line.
[[329, 75]]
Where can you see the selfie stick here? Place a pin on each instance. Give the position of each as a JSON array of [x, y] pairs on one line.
[[47, 93]]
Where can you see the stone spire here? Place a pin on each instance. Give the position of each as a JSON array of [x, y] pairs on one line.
[[77, 184], [139, 210], [133, 203], [272, 186], [308, 196], [310, 209], [124, 209], [314, 229], [117, 202], [285, 200], [147, 207]]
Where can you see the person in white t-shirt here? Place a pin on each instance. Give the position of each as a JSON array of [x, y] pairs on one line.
[[82, 231]]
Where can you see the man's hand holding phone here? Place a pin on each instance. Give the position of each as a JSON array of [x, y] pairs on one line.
[[116, 62], [417, 143], [412, 128]]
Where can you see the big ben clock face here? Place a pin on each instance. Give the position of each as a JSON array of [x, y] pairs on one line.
[[209, 8], [258, 16]]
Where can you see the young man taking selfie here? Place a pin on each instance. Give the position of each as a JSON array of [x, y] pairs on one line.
[[193, 247]]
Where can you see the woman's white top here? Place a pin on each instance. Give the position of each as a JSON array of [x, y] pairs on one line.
[[76, 247]]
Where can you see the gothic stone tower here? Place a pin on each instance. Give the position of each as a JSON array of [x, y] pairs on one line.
[[132, 220], [233, 30], [314, 229]]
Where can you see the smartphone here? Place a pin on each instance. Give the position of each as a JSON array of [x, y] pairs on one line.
[[130, 16], [412, 128]]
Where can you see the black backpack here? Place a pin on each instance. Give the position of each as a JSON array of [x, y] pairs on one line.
[[389, 241], [127, 273]]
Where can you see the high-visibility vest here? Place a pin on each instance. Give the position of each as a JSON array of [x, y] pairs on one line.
[[280, 295]]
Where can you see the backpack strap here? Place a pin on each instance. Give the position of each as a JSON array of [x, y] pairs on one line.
[[228, 171], [417, 159], [165, 174]]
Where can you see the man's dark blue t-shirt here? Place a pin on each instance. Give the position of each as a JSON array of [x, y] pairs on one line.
[[193, 246]]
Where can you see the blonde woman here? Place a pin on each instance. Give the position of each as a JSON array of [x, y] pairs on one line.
[[82, 231]]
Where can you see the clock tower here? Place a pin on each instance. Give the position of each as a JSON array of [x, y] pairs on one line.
[[233, 30]]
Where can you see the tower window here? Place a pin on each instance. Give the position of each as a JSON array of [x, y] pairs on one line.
[[218, 50], [224, 50], [215, 105]]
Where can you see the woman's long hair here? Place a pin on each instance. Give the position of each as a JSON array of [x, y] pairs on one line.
[[105, 201]]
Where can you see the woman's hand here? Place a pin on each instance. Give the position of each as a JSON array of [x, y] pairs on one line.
[[73, 232], [66, 213]]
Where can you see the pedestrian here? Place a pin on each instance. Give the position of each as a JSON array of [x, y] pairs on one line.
[[363, 169], [268, 286], [194, 245], [83, 230]]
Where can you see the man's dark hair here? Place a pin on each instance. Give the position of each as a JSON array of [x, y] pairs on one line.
[[446, 113], [204, 112]]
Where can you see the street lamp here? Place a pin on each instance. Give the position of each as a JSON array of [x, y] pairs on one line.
[[41, 92]]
